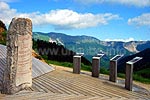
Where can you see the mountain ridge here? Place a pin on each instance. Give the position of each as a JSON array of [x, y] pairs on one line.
[[131, 46]]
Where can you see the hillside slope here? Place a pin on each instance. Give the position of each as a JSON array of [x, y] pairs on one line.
[[142, 65], [52, 51]]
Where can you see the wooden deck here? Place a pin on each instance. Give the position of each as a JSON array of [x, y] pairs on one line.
[[62, 84]]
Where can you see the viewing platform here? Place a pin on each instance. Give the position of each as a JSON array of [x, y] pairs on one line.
[[62, 84]]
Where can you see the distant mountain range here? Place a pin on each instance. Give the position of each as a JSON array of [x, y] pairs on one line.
[[63, 39], [91, 45]]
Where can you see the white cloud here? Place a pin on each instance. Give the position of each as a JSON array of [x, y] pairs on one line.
[[122, 40], [138, 3], [142, 20], [60, 19], [9, 0], [6, 13]]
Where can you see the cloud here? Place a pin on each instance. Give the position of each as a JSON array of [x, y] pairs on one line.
[[9, 0], [6, 13], [122, 40], [142, 20], [137, 3], [60, 19]]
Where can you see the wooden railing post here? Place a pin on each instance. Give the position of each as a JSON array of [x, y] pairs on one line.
[[76, 64], [113, 68], [129, 73], [95, 66]]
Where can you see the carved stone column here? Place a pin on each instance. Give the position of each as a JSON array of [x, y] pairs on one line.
[[18, 73]]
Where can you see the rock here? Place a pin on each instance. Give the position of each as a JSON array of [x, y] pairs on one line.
[[18, 74]]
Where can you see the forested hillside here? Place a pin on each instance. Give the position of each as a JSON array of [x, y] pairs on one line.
[[2, 33], [52, 51]]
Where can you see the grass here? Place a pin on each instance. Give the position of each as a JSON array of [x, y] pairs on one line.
[[121, 75], [136, 77], [104, 71], [144, 73], [141, 79], [67, 64], [83, 67]]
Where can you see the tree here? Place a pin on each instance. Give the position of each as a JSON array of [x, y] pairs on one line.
[[3, 30]]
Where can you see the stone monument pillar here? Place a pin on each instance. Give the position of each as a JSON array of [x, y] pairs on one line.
[[95, 66], [18, 73], [76, 64]]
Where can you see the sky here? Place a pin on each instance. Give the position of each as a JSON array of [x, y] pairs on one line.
[[107, 20]]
